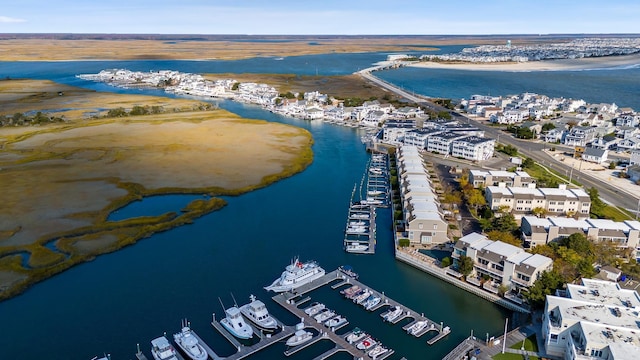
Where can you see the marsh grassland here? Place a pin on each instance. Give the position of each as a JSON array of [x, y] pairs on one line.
[[61, 180]]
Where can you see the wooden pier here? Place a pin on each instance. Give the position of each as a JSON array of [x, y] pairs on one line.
[[291, 300]]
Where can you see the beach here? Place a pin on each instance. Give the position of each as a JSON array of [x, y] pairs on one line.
[[604, 62]]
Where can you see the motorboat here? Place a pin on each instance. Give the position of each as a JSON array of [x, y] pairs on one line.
[[371, 302], [162, 350], [375, 192], [299, 337], [350, 291], [392, 314], [356, 335], [416, 328], [295, 275], [377, 351], [189, 344], [356, 229], [335, 322], [355, 246], [359, 216], [235, 324], [357, 223], [366, 343], [257, 313], [360, 298], [324, 315], [314, 309]]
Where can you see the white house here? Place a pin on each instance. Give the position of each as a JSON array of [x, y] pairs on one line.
[[595, 155]]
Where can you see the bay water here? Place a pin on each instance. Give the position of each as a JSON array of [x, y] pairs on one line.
[[137, 293]]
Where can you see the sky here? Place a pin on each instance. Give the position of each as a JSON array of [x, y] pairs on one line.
[[324, 17]]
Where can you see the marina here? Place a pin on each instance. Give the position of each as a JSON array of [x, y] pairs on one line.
[[324, 323], [360, 231]]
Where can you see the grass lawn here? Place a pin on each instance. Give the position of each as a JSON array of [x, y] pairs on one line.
[[530, 344], [614, 213], [509, 356]]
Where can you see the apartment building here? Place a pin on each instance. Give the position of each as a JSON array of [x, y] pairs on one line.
[[505, 264], [555, 201], [595, 320]]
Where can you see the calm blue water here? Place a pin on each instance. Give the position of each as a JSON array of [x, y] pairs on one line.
[[620, 86], [137, 293]]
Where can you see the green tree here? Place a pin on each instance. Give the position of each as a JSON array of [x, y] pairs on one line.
[[597, 205], [445, 262], [235, 86], [548, 126], [444, 115], [465, 265], [528, 163], [539, 211], [547, 284], [475, 199], [506, 237]]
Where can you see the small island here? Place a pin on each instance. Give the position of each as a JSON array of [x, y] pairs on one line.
[[65, 171]]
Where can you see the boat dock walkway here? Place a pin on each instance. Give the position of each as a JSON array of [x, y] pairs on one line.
[[265, 341], [291, 301], [365, 215], [286, 302], [141, 356]]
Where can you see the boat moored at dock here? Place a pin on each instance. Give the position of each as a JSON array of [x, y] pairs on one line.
[[161, 349], [314, 309], [366, 343], [256, 312], [392, 314], [295, 275], [235, 324], [348, 270], [416, 328], [189, 344]]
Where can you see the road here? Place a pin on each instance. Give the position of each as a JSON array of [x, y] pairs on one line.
[[608, 192]]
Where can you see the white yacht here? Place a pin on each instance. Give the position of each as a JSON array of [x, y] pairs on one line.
[[162, 350], [190, 344], [377, 351], [257, 313], [324, 315], [357, 229], [336, 321], [362, 297], [235, 324], [393, 314], [371, 302], [366, 344], [416, 328], [299, 337], [314, 309], [355, 335], [295, 275], [355, 246]]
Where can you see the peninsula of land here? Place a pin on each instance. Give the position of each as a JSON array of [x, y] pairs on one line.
[[591, 63], [64, 174]]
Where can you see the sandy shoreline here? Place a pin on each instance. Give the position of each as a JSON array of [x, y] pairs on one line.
[[606, 62]]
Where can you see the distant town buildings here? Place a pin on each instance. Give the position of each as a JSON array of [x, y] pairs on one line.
[[594, 320], [578, 48]]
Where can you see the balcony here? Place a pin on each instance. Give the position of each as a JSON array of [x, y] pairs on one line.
[[491, 286], [520, 282]]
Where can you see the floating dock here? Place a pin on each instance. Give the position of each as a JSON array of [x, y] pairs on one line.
[[291, 301], [360, 233]]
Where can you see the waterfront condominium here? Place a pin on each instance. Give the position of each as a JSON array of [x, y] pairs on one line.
[[595, 320], [504, 264], [423, 221]]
